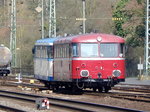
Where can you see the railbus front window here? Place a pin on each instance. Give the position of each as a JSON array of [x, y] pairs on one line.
[[89, 50], [109, 50]]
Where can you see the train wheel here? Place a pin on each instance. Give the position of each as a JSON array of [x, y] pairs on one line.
[[68, 87], [106, 89], [55, 88], [100, 89], [94, 89], [48, 85], [76, 90]]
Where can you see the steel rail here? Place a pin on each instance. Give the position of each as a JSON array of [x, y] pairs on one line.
[[15, 84], [133, 89], [71, 104], [52, 104], [132, 99], [10, 109], [127, 96], [120, 94], [133, 85]]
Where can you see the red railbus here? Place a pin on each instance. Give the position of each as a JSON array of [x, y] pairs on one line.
[[94, 61]]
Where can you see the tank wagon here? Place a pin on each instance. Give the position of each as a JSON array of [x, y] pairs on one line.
[[94, 61], [5, 60]]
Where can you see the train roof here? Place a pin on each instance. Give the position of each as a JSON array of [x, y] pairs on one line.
[[90, 38], [45, 41]]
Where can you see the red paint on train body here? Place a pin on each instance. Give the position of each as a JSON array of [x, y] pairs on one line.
[[103, 67]]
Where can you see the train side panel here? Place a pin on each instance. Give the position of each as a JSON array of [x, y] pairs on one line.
[[46, 69], [62, 70]]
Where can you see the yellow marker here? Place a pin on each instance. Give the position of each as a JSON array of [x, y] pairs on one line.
[[19, 86], [31, 81], [116, 19], [81, 19]]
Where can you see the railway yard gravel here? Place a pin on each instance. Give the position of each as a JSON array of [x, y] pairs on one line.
[[94, 99]]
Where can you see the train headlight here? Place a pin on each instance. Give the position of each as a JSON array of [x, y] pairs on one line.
[[99, 39], [84, 73], [116, 73]]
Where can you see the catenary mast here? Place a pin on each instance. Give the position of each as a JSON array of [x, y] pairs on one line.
[[147, 47], [47, 9], [52, 19], [13, 32]]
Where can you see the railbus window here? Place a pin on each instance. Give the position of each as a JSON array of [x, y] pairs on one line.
[[35, 51], [75, 50], [65, 50], [50, 51], [38, 51], [59, 51], [89, 50], [55, 51], [45, 52], [122, 50], [44, 48], [68, 49], [109, 50], [42, 52]]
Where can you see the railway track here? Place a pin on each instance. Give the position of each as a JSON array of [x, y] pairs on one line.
[[66, 104], [139, 95], [10, 109], [132, 92], [121, 94], [144, 89], [14, 79], [132, 96], [10, 80]]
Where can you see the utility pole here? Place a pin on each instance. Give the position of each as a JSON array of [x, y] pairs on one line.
[[83, 12], [13, 32], [147, 47], [52, 19], [42, 21]]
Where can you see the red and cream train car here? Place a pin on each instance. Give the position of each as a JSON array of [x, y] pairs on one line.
[[89, 61]]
